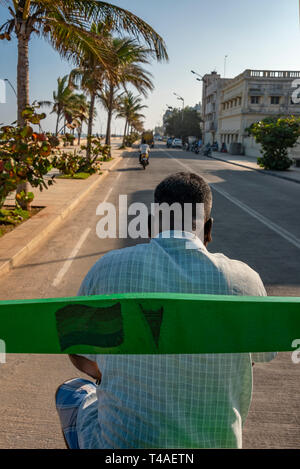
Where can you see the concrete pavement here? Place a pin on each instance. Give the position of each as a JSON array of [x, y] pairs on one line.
[[254, 221], [292, 174]]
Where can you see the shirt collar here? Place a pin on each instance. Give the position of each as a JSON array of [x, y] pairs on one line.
[[192, 241]]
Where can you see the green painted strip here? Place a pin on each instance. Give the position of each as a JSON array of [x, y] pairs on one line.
[[150, 324]]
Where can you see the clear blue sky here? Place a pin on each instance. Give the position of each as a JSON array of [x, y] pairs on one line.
[[258, 34]]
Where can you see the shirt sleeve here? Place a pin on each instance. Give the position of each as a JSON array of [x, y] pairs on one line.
[[262, 357], [84, 290]]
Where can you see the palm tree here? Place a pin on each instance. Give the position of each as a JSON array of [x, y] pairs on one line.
[[110, 100], [90, 78], [129, 110], [80, 113], [61, 100], [103, 82], [66, 25], [127, 70]]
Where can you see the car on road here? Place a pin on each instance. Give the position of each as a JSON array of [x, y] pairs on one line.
[[177, 143]]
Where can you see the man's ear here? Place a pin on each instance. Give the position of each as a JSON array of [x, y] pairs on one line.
[[208, 231]]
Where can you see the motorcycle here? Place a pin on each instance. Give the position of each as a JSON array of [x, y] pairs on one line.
[[144, 160], [207, 151]]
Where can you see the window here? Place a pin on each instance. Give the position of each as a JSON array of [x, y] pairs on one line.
[[255, 99], [275, 99]]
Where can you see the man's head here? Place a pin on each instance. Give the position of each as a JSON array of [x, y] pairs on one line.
[[187, 188]]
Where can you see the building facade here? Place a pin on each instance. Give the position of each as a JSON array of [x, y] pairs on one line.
[[250, 97], [211, 95]]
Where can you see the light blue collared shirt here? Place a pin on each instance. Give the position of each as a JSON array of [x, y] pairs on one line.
[[169, 401]]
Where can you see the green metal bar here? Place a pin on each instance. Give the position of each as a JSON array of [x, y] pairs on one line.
[[157, 323]]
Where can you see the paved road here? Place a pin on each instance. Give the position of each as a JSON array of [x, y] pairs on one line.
[[255, 221]]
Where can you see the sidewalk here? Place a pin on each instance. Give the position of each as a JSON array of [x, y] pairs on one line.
[[58, 202], [293, 174]]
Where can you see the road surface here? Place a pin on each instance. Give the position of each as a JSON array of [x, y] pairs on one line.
[[256, 220]]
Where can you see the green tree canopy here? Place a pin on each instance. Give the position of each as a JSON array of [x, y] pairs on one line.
[[276, 135], [182, 124]]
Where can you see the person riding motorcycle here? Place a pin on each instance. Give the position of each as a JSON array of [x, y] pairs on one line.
[[144, 150]]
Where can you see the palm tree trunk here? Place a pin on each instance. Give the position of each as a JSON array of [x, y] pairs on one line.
[[90, 125], [79, 134], [57, 123], [23, 94], [109, 116], [125, 133]]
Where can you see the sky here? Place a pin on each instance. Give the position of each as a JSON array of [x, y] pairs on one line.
[[255, 34]]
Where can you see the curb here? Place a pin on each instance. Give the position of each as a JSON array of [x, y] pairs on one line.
[[261, 171], [17, 257]]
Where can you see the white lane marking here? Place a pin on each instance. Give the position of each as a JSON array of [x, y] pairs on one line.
[[71, 257], [78, 246], [108, 194], [265, 221]]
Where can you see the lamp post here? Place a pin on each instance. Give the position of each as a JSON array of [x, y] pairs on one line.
[[12, 87], [180, 98], [198, 74]]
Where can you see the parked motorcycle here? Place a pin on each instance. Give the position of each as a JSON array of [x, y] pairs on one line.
[[207, 150]]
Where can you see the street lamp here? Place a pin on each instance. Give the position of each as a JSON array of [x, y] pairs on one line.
[[12, 87], [180, 98], [198, 74]]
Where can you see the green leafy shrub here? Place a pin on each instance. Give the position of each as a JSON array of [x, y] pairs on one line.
[[131, 139], [68, 139], [72, 163], [13, 216], [67, 162], [25, 156], [54, 141], [24, 197], [276, 136], [98, 150]]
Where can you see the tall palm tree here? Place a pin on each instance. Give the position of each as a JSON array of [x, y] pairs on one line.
[[66, 25], [110, 100], [89, 76], [129, 110], [61, 100], [80, 113], [100, 81], [127, 70]]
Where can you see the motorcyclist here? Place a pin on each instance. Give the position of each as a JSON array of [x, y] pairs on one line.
[[144, 149]]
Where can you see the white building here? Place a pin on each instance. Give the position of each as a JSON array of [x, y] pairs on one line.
[[250, 97], [211, 94]]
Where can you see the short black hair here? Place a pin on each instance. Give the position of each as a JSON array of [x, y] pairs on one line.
[[184, 188]]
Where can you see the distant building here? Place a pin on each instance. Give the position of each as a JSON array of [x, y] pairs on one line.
[[197, 107], [250, 97], [211, 95]]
